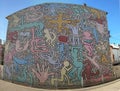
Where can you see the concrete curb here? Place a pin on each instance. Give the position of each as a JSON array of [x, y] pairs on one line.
[[8, 86]]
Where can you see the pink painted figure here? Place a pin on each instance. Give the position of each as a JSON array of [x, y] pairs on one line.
[[42, 74], [35, 44], [87, 41]]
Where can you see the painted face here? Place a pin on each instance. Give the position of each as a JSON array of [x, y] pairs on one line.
[[66, 63]]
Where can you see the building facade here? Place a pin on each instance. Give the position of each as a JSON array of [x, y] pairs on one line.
[[115, 53], [115, 57], [58, 45]]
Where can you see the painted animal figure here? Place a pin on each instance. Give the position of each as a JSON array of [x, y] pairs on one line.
[[51, 60], [20, 48], [22, 61], [48, 37], [77, 66]]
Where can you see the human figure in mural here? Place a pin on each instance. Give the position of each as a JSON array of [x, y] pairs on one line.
[[61, 49], [77, 66], [94, 61], [75, 36], [87, 41], [66, 67], [35, 47]]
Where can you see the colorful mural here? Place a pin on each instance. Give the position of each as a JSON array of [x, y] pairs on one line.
[[58, 45]]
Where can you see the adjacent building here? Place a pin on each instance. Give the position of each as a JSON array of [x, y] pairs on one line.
[[115, 57], [115, 53]]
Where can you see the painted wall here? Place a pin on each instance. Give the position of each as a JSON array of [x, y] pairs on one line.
[[58, 46]]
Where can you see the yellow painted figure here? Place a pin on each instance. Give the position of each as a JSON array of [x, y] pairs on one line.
[[104, 59], [64, 71]]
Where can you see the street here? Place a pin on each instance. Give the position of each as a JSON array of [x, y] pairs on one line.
[[110, 86]]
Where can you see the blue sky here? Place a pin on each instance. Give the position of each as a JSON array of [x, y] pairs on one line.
[[7, 7]]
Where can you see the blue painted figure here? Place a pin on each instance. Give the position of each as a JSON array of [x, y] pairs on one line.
[[77, 66]]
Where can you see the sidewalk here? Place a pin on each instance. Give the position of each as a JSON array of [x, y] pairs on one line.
[[111, 86]]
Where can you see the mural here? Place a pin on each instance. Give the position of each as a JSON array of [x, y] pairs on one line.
[[58, 45]]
